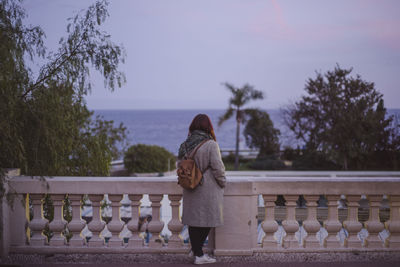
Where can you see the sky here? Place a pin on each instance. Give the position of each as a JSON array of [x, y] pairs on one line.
[[180, 52]]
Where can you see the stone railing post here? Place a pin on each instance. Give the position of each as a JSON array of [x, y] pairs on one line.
[[374, 225], [175, 225], [332, 224], [311, 225], [393, 225], [269, 225], [58, 223], [133, 225], [76, 225], [97, 224], [290, 225], [116, 225], [156, 225], [39, 222], [352, 225], [13, 219], [238, 235]]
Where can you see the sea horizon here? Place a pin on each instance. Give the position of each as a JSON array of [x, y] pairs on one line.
[[168, 128]]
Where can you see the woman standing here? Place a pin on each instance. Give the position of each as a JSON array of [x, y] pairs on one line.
[[203, 206]]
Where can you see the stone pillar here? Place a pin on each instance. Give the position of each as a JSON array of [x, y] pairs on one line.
[[393, 225], [76, 225], [352, 225], [238, 235], [156, 225], [374, 225], [290, 225], [311, 225], [58, 223], [175, 225], [97, 224], [116, 225], [269, 225], [135, 240], [332, 224], [39, 222], [13, 220]]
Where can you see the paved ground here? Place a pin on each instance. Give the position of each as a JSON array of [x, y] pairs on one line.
[[329, 259], [253, 264]]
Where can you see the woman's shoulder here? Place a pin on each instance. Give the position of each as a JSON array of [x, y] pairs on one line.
[[212, 144]]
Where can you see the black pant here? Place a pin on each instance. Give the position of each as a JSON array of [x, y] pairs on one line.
[[197, 237]]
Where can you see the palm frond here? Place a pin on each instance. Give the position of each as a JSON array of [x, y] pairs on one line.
[[227, 115], [230, 87]]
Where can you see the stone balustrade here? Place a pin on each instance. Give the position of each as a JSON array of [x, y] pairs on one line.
[[302, 228]]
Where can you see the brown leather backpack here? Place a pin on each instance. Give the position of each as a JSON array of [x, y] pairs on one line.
[[189, 175]]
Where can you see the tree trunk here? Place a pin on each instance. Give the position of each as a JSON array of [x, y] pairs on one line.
[[237, 144]]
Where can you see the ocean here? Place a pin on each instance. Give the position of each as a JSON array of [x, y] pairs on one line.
[[169, 128]]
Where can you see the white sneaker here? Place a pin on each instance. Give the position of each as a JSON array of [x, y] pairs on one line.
[[204, 259], [208, 256]]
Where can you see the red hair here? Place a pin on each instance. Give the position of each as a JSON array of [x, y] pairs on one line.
[[203, 123]]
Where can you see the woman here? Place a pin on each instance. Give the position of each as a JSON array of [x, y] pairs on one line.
[[203, 206]]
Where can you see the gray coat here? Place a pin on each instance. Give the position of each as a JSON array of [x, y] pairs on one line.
[[203, 206]]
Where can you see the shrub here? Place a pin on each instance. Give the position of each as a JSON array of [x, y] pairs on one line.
[[314, 161], [290, 153], [146, 158], [267, 163], [230, 158]]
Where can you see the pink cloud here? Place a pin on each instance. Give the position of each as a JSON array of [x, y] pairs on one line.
[[385, 32], [271, 22]]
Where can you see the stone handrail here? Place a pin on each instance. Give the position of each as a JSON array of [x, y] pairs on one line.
[[238, 236]]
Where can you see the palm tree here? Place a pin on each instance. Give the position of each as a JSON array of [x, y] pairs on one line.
[[239, 98]]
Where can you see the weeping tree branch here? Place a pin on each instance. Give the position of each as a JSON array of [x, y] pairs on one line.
[[50, 74]]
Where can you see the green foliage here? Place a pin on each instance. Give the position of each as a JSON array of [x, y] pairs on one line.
[[290, 153], [230, 158], [240, 97], [314, 161], [260, 133], [343, 117], [267, 163], [46, 128], [145, 158]]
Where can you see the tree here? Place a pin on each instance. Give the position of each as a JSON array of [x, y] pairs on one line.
[[341, 116], [260, 133], [240, 97], [46, 127]]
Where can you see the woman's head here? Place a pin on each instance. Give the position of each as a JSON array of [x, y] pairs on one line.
[[203, 123]]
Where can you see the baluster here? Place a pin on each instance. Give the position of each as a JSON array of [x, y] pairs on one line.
[[374, 225], [269, 225], [332, 224], [135, 240], [156, 225], [39, 222], [290, 224], [116, 225], [311, 225], [352, 225], [393, 225], [58, 223], [97, 224], [76, 225], [175, 225]]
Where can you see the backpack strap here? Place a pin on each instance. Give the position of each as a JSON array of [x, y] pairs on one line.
[[197, 148]]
